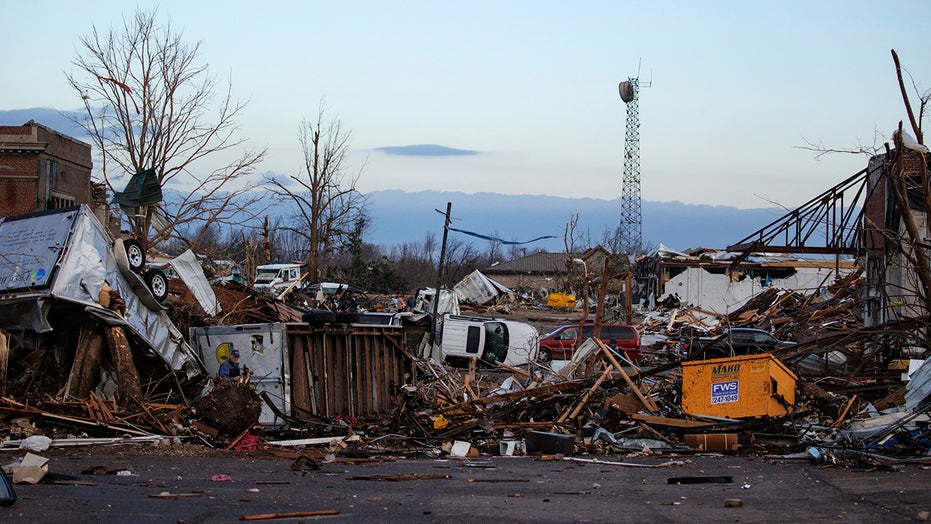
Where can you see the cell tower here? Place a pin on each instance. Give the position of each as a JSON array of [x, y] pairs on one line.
[[631, 227]]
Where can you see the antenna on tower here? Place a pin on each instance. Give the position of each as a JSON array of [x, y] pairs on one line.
[[631, 226]]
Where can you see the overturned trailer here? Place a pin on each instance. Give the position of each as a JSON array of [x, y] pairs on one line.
[[305, 372], [54, 266]]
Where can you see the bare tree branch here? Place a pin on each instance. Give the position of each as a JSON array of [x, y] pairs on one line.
[[150, 103], [325, 196]]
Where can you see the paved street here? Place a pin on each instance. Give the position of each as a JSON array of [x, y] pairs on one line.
[[503, 489]]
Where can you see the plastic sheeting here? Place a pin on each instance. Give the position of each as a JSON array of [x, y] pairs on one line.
[[66, 254], [190, 270]]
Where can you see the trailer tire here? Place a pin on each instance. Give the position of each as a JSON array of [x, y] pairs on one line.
[[135, 254], [157, 283]]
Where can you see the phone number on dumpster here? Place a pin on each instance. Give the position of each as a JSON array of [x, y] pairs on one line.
[[724, 392]]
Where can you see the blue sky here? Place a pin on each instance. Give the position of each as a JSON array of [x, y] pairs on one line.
[[736, 87]]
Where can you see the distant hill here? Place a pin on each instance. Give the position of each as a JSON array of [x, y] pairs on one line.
[[51, 118], [400, 217]]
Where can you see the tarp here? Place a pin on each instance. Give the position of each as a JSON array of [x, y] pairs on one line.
[[478, 289], [142, 189], [67, 255]]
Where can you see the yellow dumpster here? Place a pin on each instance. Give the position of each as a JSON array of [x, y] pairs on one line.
[[736, 387], [560, 300]]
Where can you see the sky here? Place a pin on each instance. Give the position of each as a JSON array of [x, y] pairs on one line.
[[732, 91]]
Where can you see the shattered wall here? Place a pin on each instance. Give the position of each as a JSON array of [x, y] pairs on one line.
[[717, 292]]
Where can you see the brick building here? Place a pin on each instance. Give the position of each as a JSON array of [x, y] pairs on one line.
[[42, 169]]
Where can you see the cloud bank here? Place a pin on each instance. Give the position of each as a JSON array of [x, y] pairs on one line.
[[425, 150]]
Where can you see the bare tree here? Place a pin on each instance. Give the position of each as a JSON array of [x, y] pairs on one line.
[[151, 104], [328, 204]]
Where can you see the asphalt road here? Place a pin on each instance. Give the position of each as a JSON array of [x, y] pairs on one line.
[[502, 489]]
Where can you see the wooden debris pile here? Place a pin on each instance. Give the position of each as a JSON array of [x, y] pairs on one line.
[[96, 417], [485, 406]]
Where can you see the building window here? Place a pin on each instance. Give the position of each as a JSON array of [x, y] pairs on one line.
[[60, 200]]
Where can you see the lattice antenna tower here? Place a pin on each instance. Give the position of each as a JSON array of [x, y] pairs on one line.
[[631, 227]]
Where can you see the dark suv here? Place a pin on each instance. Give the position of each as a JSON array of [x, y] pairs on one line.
[[743, 341], [558, 343]]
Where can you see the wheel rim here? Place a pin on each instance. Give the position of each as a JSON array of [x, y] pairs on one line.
[[158, 286], [134, 254]]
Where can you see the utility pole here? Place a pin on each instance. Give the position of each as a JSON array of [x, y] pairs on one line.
[[439, 274]]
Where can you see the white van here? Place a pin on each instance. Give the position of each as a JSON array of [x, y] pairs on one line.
[[490, 339], [272, 279]]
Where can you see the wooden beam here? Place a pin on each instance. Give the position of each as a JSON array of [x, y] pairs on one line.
[[647, 401], [585, 398], [670, 422], [532, 392]]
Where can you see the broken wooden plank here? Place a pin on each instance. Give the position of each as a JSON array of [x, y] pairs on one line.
[[671, 422], [542, 390], [584, 400], [290, 514], [843, 414], [4, 361], [403, 477], [647, 401]]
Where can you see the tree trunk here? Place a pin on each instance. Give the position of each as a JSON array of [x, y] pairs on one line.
[[86, 368], [266, 242], [127, 375]]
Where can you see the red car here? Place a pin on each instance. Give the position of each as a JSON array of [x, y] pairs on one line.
[[558, 343]]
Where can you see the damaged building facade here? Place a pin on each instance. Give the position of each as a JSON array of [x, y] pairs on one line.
[[704, 278], [41, 169], [892, 260]]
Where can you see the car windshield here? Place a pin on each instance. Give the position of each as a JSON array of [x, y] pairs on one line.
[[496, 342]]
